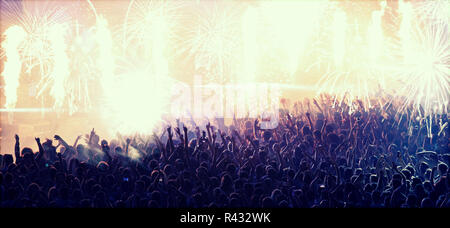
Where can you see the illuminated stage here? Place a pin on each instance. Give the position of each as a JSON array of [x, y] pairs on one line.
[[128, 64]]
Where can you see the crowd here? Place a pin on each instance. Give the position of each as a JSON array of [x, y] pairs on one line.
[[322, 155]]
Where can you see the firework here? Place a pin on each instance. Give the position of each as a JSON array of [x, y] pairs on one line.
[[43, 44], [434, 10], [213, 42], [11, 72], [149, 23], [60, 71], [363, 49], [106, 57], [37, 20], [425, 69], [83, 70]]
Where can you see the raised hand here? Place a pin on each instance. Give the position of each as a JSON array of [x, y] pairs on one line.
[[177, 130], [169, 131], [214, 136], [57, 137], [16, 137], [38, 140], [248, 138], [222, 135]]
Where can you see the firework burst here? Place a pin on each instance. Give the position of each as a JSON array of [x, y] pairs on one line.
[[83, 70], [425, 69], [14, 35], [43, 46], [149, 23], [213, 40]]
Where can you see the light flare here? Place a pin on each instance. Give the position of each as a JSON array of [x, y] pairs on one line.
[[60, 72], [14, 36], [138, 102], [291, 26], [105, 60], [250, 34]]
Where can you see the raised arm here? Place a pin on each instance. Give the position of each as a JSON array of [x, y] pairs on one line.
[[186, 145], [41, 149], [170, 141], [127, 146], [91, 135], [105, 149], [256, 129], [308, 115], [17, 148], [76, 141], [222, 136], [62, 162], [64, 143], [211, 143], [433, 171]]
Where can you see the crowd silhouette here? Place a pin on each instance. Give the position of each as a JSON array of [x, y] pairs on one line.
[[336, 155]]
